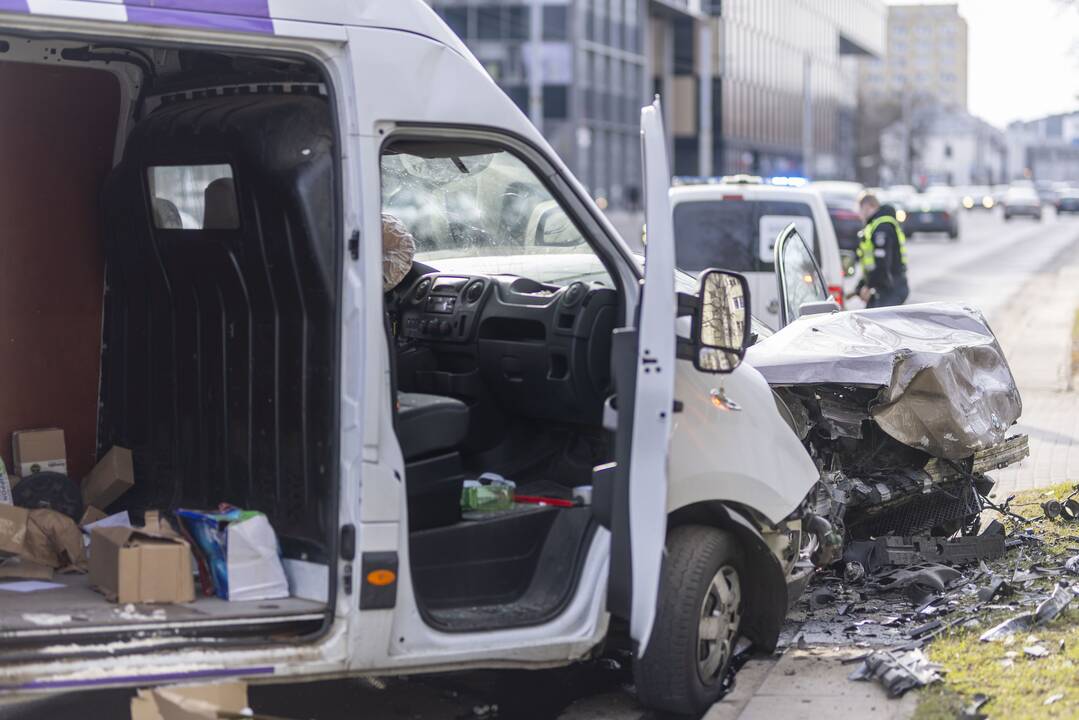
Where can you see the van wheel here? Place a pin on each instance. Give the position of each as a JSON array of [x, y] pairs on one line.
[[698, 617]]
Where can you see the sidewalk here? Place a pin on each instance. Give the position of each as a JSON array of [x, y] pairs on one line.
[[1036, 334], [810, 683]]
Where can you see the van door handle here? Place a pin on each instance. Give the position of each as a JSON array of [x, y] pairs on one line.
[[773, 307]]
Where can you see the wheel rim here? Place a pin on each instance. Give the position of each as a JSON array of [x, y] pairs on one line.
[[717, 628]]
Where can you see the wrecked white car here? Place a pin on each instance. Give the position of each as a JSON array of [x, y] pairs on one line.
[[905, 410]]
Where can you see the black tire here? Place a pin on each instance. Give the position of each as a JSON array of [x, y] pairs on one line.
[[953, 234], [669, 676]]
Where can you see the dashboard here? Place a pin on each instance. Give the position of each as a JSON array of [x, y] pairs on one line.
[[540, 350]]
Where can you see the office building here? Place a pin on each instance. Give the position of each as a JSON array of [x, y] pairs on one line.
[[767, 87], [582, 69], [787, 93], [1045, 149], [926, 57]]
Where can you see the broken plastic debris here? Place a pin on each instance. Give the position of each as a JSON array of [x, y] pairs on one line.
[[1046, 611], [898, 671]]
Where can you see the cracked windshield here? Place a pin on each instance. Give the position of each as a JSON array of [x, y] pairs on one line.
[[483, 209]]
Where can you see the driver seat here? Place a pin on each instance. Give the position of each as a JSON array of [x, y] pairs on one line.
[[430, 428]]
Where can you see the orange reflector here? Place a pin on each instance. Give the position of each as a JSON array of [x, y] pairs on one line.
[[381, 578]]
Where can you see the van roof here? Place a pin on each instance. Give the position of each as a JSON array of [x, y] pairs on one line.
[[254, 16]]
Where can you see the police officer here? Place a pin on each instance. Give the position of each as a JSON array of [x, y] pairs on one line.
[[883, 255]]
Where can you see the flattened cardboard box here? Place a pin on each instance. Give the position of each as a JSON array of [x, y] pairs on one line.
[[91, 515], [113, 476], [136, 566], [38, 451]]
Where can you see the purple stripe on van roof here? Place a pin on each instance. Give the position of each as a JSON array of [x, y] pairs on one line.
[[218, 19], [253, 8], [22, 6]]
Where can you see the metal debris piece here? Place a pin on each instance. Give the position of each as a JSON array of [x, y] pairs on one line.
[[1037, 651], [1035, 572], [996, 587], [821, 598], [926, 629], [1072, 565], [1052, 508], [973, 710], [1053, 698], [1045, 612], [853, 572], [898, 671]]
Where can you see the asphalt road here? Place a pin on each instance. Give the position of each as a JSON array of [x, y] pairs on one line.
[[986, 267]]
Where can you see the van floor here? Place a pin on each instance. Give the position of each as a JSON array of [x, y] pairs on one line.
[[76, 609]]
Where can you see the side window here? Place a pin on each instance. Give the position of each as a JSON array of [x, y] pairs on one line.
[[193, 197], [772, 217], [801, 279], [477, 207]]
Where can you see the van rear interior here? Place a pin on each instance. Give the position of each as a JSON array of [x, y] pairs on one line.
[[172, 255], [170, 286]]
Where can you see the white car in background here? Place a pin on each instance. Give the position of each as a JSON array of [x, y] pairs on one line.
[[733, 224]]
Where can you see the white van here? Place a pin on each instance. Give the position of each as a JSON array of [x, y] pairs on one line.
[[195, 200], [734, 225]]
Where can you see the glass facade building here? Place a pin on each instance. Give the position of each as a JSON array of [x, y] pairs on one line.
[[787, 84], [760, 86]]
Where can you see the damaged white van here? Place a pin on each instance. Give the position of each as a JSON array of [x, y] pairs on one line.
[[194, 198]]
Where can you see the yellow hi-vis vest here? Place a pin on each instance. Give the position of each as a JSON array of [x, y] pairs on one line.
[[866, 247]]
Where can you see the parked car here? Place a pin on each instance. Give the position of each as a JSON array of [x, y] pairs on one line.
[[1068, 200], [1021, 200], [734, 225], [842, 201], [978, 197], [935, 210]]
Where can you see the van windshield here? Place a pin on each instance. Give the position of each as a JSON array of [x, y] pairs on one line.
[[478, 208]]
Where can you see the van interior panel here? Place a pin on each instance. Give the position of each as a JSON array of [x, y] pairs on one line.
[[59, 131], [220, 365]]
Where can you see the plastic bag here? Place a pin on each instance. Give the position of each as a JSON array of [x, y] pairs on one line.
[[240, 552]]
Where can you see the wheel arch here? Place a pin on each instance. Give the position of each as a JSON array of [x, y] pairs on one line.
[[766, 590]]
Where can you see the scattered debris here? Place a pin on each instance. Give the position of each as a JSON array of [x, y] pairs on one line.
[[997, 587], [898, 671], [1036, 651], [1046, 611], [1053, 698]]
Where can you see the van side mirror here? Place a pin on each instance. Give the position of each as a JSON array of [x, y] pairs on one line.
[[555, 229], [721, 329]]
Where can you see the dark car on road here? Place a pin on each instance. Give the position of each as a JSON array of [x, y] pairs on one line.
[[1022, 200], [1068, 201], [841, 198], [935, 210]]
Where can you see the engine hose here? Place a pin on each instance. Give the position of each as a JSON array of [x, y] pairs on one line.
[[829, 542]]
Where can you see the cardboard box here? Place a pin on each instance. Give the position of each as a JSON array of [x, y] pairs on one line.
[[138, 566], [190, 701], [13, 521], [38, 451], [110, 478], [91, 515]]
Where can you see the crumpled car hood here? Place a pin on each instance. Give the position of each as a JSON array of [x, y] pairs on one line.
[[946, 387]]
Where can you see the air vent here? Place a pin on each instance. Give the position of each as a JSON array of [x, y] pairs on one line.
[[574, 294], [473, 291], [422, 288]]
